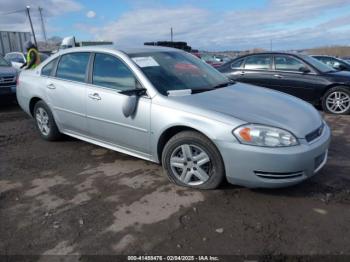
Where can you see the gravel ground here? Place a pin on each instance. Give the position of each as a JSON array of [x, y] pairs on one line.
[[71, 197]]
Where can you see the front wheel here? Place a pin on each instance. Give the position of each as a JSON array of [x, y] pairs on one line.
[[45, 122], [337, 101], [190, 159]]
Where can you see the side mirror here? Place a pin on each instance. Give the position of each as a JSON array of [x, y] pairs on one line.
[[304, 70], [339, 67], [130, 105]]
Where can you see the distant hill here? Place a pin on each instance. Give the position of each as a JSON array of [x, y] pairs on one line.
[[341, 51]]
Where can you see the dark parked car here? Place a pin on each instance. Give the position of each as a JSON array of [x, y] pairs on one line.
[[213, 60], [295, 74], [336, 63], [17, 59], [8, 77]]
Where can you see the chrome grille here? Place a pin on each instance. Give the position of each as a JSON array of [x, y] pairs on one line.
[[7, 80]]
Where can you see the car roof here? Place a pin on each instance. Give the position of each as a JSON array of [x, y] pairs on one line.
[[323, 56], [16, 53], [273, 53], [262, 53], [127, 50]]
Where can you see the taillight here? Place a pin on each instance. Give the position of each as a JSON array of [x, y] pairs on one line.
[[17, 80]]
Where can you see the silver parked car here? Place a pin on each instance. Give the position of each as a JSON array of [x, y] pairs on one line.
[[167, 106]]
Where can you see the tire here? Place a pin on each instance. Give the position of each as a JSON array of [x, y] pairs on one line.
[[337, 101], [45, 122], [201, 155]]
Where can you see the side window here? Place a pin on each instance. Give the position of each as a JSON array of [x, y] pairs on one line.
[[73, 66], [237, 64], [287, 63], [327, 61], [47, 70], [20, 59], [110, 72], [336, 63], [258, 62]]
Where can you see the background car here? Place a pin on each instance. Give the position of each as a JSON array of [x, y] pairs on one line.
[[166, 106], [17, 59], [336, 63], [296, 74], [8, 77], [213, 60], [346, 58]]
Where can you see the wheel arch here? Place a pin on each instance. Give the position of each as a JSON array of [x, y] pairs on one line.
[[327, 88], [169, 133], [32, 103]]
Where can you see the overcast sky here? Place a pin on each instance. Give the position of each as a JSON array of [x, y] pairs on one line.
[[204, 24]]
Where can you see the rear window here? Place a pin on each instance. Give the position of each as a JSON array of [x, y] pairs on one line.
[[73, 66]]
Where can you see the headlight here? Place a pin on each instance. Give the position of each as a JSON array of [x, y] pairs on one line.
[[259, 135]]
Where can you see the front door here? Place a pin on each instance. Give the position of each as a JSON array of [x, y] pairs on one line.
[[289, 79], [105, 118]]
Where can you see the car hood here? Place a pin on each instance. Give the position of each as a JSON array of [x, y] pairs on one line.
[[260, 106], [340, 74], [7, 71]]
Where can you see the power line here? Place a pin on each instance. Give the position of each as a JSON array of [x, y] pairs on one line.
[[12, 12], [42, 23]]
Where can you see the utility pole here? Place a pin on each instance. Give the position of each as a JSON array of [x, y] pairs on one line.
[[171, 34], [31, 25], [42, 23], [270, 44]]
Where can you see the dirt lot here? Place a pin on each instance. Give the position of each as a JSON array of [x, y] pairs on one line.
[[71, 197]]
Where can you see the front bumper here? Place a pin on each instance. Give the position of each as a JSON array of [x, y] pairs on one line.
[[8, 90], [264, 167]]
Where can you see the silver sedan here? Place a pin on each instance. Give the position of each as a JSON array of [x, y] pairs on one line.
[[169, 107]]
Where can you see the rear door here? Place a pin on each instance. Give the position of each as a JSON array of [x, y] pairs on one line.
[[105, 118], [289, 78], [257, 70], [66, 92]]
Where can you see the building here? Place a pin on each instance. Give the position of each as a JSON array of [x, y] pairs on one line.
[[13, 41]]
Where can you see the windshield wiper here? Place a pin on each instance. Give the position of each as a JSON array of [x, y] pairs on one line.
[[231, 82], [200, 90]]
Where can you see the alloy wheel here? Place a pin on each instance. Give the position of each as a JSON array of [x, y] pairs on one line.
[[338, 102], [42, 119], [190, 164]]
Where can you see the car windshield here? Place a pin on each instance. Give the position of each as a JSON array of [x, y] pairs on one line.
[[171, 71], [344, 61], [317, 64], [3, 62]]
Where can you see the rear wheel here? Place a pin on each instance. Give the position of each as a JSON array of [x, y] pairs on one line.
[[190, 159], [45, 122], [337, 101]]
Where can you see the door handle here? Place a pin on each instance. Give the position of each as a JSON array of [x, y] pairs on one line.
[[242, 73], [51, 86], [278, 76], [95, 96]]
